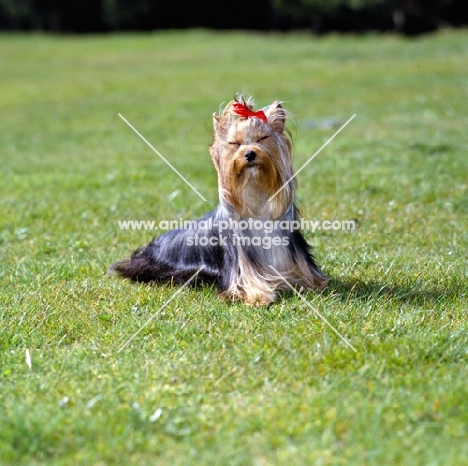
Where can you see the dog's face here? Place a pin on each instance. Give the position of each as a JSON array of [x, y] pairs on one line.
[[253, 159]]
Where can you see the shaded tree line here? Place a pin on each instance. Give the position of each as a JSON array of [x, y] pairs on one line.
[[320, 16]]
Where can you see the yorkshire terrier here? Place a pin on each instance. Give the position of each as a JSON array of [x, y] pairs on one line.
[[242, 245]]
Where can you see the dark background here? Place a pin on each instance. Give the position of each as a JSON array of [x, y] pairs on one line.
[[319, 16]]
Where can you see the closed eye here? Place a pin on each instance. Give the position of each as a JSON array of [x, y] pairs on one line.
[[264, 137], [234, 143]]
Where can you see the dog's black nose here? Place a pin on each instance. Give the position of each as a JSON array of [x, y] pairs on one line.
[[250, 156]]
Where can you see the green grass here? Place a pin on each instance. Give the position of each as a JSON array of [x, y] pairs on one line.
[[206, 382]]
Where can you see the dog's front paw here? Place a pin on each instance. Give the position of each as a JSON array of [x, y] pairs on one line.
[[256, 298], [260, 299]]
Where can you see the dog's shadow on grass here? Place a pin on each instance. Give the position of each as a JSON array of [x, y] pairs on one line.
[[416, 293]]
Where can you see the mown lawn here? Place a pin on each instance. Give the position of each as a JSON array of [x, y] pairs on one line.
[[206, 382]]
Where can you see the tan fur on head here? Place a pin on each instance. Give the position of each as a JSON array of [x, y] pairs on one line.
[[253, 160]]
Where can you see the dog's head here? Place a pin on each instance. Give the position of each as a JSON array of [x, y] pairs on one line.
[[252, 153]]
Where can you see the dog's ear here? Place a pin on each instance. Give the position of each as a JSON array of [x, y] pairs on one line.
[[219, 125], [276, 117]]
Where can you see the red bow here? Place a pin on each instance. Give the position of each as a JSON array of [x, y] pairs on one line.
[[243, 111]]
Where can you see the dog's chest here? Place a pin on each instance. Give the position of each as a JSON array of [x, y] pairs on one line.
[[278, 257]]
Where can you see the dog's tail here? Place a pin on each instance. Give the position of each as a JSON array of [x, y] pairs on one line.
[[138, 268]]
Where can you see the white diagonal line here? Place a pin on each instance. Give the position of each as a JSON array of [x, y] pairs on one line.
[[161, 156], [28, 359], [308, 161], [161, 308], [316, 311]]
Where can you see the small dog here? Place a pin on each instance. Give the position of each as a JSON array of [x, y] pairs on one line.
[[242, 245]]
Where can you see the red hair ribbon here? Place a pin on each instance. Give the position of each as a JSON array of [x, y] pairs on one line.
[[243, 111]]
